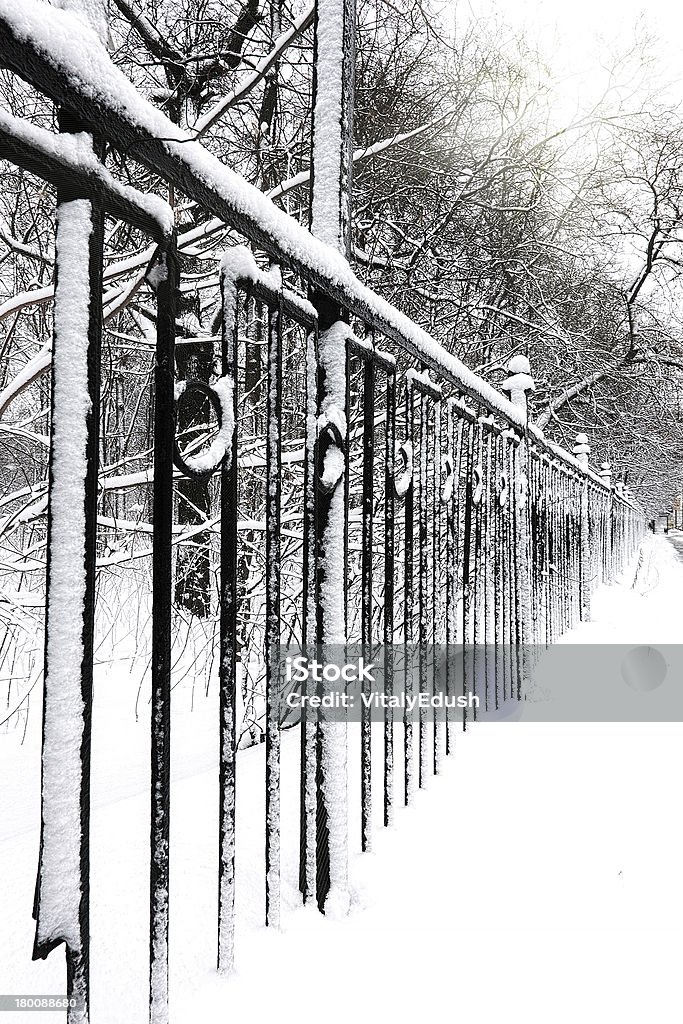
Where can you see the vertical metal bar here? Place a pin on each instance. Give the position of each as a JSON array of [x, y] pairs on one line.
[[162, 582], [576, 546], [504, 584], [455, 436], [565, 592], [510, 661], [349, 407], [486, 515], [584, 550], [551, 487], [409, 593], [467, 566], [478, 582], [497, 566], [533, 546], [366, 592], [450, 544], [322, 850], [437, 588], [570, 551], [565, 604], [551, 579], [566, 541], [331, 197], [227, 671], [273, 478], [536, 545], [423, 620], [71, 543], [389, 595], [331, 534], [502, 564], [309, 729], [553, 491], [607, 570], [519, 555], [80, 964], [559, 582], [546, 509]]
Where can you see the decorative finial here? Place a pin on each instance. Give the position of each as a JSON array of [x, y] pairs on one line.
[[582, 450], [519, 381]]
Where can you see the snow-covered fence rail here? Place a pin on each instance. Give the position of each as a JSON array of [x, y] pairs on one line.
[[402, 499]]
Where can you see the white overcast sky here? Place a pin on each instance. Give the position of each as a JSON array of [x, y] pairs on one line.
[[578, 37]]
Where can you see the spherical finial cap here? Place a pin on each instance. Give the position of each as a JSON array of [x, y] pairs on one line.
[[519, 364], [519, 380]]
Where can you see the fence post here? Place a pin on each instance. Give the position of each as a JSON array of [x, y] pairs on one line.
[[62, 897], [519, 381], [162, 583], [582, 451], [331, 184]]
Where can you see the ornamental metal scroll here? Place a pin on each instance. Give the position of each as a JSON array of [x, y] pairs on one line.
[[503, 490], [478, 484], [403, 468], [448, 479], [219, 396], [330, 455]]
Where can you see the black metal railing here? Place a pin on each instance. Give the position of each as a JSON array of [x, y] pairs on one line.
[[387, 496]]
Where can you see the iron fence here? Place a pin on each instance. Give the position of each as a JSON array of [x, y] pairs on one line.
[[378, 490]]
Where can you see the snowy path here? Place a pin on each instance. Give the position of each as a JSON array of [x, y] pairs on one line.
[[676, 541], [649, 611], [537, 880]]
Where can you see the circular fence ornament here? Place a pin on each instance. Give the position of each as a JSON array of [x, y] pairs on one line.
[[403, 468], [329, 457], [203, 463]]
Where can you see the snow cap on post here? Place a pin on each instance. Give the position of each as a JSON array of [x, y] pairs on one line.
[[606, 473], [519, 381], [582, 450]]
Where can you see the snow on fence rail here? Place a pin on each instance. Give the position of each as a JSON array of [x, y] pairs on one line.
[[454, 520]]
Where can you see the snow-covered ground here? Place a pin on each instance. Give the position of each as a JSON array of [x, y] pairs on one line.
[[647, 608], [537, 879]]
